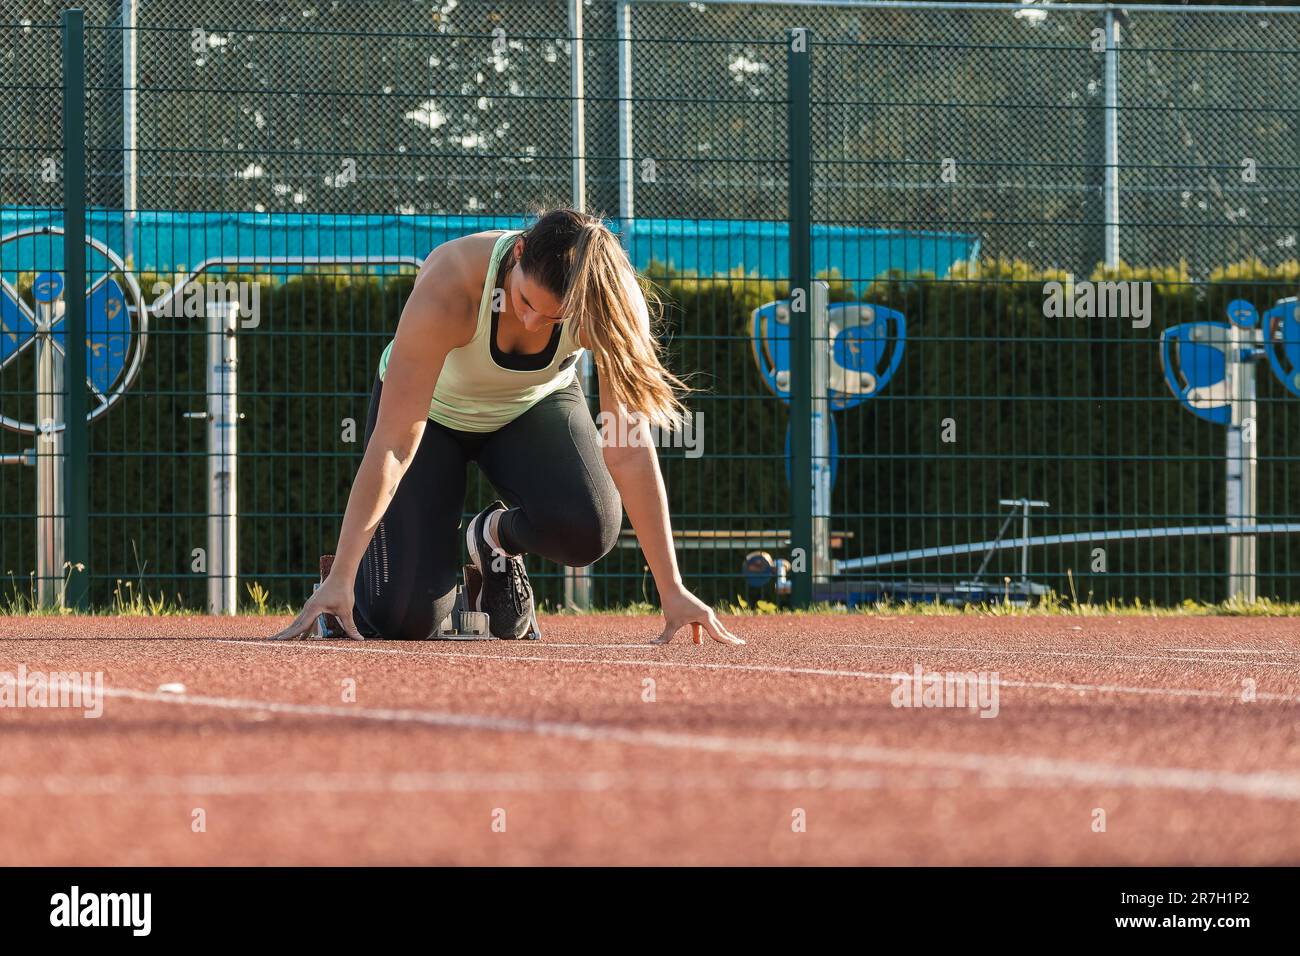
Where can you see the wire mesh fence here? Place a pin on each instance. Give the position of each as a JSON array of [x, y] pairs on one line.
[[302, 159]]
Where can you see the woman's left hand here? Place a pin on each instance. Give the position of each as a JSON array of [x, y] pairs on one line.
[[681, 608]]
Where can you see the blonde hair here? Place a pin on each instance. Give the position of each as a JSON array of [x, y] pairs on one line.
[[580, 260]]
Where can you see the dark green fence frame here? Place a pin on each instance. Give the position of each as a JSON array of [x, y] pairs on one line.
[[76, 494], [846, 120]]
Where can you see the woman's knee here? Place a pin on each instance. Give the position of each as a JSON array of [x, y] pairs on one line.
[[387, 626], [416, 620], [582, 534]]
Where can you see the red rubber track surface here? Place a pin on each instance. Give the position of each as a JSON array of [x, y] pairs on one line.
[[1183, 732]]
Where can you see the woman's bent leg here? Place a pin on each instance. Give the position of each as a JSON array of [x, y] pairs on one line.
[[548, 465], [406, 583]]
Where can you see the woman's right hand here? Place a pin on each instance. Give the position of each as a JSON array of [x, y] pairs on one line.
[[333, 597]]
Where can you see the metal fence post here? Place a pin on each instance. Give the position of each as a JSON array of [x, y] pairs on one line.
[[800, 186], [223, 458], [51, 512], [221, 415], [820, 429], [1111, 143], [1241, 491], [626, 189], [76, 445], [577, 581], [578, 104], [129, 98]]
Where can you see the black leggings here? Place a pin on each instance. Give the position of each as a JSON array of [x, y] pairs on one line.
[[546, 464]]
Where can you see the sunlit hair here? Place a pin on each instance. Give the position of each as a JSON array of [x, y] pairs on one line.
[[583, 264]]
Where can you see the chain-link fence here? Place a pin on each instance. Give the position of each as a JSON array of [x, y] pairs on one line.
[[312, 153], [482, 91]]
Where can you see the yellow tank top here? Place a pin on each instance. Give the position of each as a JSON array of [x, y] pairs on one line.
[[475, 392]]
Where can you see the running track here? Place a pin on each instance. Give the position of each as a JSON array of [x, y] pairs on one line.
[[1141, 718]]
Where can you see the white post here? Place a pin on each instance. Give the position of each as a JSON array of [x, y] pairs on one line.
[[1111, 145], [1240, 496], [1025, 505], [821, 432], [626, 195], [223, 448], [578, 586], [578, 581], [1024, 547], [578, 105], [49, 460], [129, 174]]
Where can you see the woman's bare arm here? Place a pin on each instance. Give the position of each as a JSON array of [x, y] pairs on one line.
[[428, 330], [634, 466], [437, 318]]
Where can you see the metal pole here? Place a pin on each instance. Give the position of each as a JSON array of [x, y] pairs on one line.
[[578, 105], [129, 80], [801, 384], [1068, 8], [1025, 505], [50, 472], [848, 565], [1024, 549], [1240, 493], [578, 581], [223, 458], [626, 192], [76, 437], [1111, 144], [821, 433]]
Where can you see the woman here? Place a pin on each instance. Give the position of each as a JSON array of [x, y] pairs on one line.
[[483, 368]]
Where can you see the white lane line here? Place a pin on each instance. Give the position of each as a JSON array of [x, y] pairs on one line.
[[1039, 652], [626, 645], [1229, 650], [990, 767], [1186, 692], [222, 784]]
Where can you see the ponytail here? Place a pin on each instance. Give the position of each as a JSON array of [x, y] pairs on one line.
[[581, 261]]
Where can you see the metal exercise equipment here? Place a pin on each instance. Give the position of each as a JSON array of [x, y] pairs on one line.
[[117, 334]]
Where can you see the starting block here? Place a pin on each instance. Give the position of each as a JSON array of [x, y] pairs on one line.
[[462, 624]]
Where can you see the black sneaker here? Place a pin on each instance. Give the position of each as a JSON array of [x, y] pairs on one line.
[[506, 595]]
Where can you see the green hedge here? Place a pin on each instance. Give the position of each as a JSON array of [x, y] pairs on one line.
[[1071, 411]]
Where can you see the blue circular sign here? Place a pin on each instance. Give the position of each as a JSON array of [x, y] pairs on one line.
[[1242, 313], [1282, 343], [866, 348], [117, 318], [47, 286]]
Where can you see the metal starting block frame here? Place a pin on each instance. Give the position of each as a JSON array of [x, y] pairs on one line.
[[462, 624]]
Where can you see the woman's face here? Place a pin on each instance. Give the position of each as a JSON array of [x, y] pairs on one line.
[[531, 302]]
